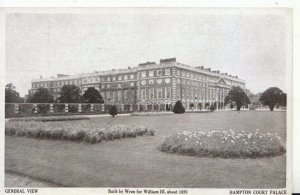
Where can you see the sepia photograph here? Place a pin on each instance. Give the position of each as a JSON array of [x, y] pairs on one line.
[[172, 98]]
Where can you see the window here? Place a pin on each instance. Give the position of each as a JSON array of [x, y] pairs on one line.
[[159, 93], [178, 72], [132, 76], [125, 77], [187, 74], [178, 92], [143, 74], [182, 73], [143, 94], [168, 71], [108, 95], [168, 92], [151, 93], [108, 79], [158, 73], [119, 95], [107, 85], [114, 78], [120, 77], [151, 73]]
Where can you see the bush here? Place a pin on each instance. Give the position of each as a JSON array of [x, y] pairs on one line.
[[200, 106], [192, 105], [212, 108], [86, 132], [231, 105], [113, 110], [225, 144], [43, 108], [178, 108]]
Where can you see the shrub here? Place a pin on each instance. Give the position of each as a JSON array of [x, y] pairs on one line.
[[43, 108], [231, 105], [200, 106], [192, 105], [113, 110], [178, 108], [212, 108], [225, 144]]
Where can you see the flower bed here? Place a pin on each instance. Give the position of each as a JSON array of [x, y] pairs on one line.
[[225, 144], [79, 131], [51, 118], [150, 113]]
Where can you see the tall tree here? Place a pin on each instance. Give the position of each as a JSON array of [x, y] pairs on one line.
[[272, 96], [70, 94], [237, 95], [42, 95], [11, 95], [92, 95]]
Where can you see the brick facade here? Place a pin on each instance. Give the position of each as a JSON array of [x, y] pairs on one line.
[[149, 83]]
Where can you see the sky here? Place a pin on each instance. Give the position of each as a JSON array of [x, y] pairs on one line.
[[253, 44]]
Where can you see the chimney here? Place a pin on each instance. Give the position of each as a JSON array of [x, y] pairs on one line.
[[208, 69], [129, 67], [168, 60], [218, 71]]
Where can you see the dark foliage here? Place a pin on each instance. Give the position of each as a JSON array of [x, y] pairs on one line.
[[272, 96], [113, 110], [178, 108], [212, 107], [11, 95], [42, 95], [200, 106], [92, 95], [192, 105], [237, 95], [70, 94]]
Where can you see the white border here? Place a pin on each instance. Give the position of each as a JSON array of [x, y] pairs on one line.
[[292, 99]]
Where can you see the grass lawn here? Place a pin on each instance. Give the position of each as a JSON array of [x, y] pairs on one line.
[[136, 162]]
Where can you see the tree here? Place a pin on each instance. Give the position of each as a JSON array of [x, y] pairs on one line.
[[200, 106], [237, 95], [178, 108], [192, 105], [283, 100], [42, 95], [70, 94], [212, 108], [272, 96], [11, 95], [92, 95], [113, 110], [231, 105]]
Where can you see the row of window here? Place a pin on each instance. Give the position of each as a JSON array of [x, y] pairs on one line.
[[156, 93], [120, 77], [156, 73], [120, 95], [201, 94], [188, 74]]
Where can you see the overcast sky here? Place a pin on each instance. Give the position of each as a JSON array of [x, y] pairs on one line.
[[252, 44]]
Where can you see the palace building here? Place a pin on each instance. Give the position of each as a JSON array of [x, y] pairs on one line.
[[151, 83]]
